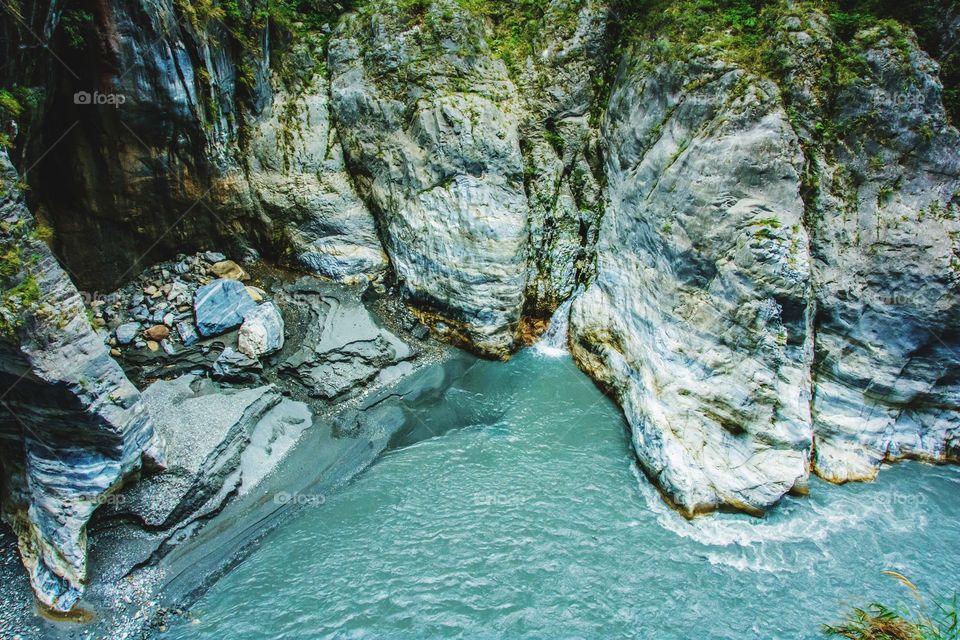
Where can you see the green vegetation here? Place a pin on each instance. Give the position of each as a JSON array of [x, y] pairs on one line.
[[744, 32], [75, 25], [518, 25], [879, 622], [18, 287]]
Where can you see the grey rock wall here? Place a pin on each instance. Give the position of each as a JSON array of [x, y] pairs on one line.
[[428, 120], [73, 427], [700, 315]]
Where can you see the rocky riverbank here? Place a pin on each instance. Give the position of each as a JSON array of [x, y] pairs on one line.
[[325, 403]]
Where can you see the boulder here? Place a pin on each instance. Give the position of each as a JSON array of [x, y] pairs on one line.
[[262, 331], [221, 306], [230, 270], [213, 256]]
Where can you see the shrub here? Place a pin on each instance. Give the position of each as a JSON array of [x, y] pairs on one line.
[[880, 622]]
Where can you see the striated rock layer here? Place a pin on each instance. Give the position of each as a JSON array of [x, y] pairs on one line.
[[778, 293], [700, 315], [438, 158], [73, 427]]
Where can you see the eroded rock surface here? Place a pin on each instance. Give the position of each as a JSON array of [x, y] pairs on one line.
[[223, 442], [777, 279], [73, 427], [438, 159], [700, 315], [343, 348]]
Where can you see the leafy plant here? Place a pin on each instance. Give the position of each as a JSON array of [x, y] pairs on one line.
[[880, 622]]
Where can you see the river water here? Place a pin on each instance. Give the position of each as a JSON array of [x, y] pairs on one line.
[[532, 521]]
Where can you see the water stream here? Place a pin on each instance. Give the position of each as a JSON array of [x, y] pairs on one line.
[[532, 521]]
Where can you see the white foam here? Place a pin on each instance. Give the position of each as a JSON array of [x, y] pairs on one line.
[[763, 538]]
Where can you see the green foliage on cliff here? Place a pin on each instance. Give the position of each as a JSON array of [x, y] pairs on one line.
[[10, 109], [516, 26], [18, 287], [75, 24], [746, 32]]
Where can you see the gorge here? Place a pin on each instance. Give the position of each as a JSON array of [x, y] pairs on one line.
[[247, 245]]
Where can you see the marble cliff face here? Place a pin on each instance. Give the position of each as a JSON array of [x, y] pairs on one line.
[[769, 268]]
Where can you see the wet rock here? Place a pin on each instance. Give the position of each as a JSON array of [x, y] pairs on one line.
[[188, 335], [229, 270], [261, 332], [343, 348], [127, 332], [153, 345], [221, 306]]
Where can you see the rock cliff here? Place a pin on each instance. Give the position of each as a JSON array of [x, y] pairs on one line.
[[777, 283], [73, 426]]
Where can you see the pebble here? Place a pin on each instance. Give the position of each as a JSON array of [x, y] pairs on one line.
[[421, 332], [151, 291], [158, 332], [168, 347], [256, 293], [153, 345], [115, 352]]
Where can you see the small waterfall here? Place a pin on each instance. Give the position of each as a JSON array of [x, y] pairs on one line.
[[553, 343]]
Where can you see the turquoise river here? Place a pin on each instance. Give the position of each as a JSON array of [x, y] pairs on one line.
[[534, 522]]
